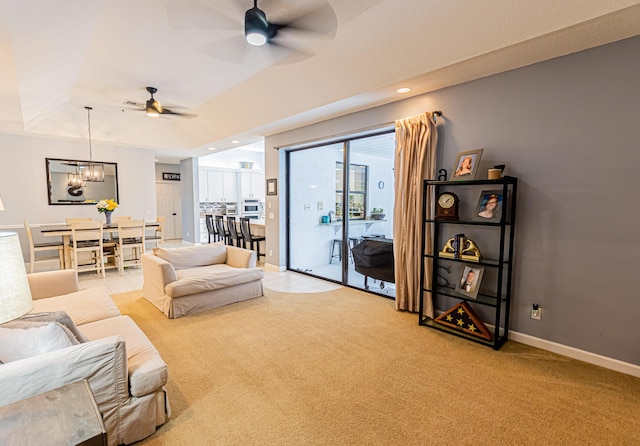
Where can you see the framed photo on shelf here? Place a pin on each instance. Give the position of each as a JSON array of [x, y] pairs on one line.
[[489, 207], [469, 281], [272, 186], [466, 165]]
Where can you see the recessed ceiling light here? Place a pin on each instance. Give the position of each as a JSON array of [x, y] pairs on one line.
[[235, 142], [211, 148], [403, 90]]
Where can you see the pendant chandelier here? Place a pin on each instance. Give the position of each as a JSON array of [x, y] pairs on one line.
[[92, 172], [75, 179]]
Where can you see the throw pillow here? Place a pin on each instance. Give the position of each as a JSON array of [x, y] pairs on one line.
[[193, 256], [31, 320], [19, 343]]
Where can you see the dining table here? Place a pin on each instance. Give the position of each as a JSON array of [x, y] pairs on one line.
[[65, 232]]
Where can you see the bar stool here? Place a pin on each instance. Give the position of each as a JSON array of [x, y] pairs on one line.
[[233, 232], [222, 232], [211, 228], [334, 242], [245, 229], [353, 241]]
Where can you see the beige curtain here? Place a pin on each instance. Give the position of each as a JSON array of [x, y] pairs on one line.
[[416, 140]]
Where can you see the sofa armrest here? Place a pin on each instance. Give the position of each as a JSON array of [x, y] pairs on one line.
[[102, 362], [240, 257], [158, 271], [53, 283]]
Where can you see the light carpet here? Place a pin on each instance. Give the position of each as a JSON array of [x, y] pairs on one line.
[[345, 368]]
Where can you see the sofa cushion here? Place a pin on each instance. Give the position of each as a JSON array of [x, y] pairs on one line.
[[82, 306], [209, 278], [18, 343], [35, 319], [193, 256], [147, 371]]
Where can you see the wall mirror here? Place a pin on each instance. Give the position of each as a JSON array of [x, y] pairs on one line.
[[67, 182]]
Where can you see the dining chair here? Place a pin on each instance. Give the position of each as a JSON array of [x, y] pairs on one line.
[[158, 235], [40, 247], [131, 237], [222, 232], [114, 221], [245, 229], [86, 237], [234, 237]]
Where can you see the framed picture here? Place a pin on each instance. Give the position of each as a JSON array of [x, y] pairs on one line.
[[489, 206], [272, 186], [170, 176], [466, 165], [469, 281]]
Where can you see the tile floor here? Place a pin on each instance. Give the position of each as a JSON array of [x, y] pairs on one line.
[[286, 281]]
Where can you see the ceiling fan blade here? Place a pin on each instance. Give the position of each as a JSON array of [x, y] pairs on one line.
[[318, 21], [286, 54], [234, 50], [167, 111]]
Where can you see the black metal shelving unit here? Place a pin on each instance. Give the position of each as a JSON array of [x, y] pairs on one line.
[[493, 301]]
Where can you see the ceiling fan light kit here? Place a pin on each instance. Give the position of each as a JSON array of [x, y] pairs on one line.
[[153, 107], [256, 26]]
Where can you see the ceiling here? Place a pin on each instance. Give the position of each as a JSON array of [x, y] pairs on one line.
[[58, 57]]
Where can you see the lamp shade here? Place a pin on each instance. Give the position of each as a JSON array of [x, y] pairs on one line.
[[15, 295]]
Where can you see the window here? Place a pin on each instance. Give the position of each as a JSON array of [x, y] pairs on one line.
[[357, 191]]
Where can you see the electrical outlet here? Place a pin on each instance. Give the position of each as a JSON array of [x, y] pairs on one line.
[[270, 253], [536, 312]]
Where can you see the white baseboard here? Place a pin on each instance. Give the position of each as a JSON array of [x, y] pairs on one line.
[[581, 355], [276, 268]]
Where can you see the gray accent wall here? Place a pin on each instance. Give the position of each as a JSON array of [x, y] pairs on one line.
[[567, 128]]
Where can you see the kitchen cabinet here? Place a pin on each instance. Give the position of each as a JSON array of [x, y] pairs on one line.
[[252, 184], [217, 185]]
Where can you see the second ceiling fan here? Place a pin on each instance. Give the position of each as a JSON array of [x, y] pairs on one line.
[[153, 108]]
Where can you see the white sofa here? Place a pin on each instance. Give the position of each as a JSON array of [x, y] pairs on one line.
[[186, 280], [124, 370]]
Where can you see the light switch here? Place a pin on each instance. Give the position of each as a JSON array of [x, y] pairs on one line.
[[271, 216], [307, 206], [319, 205]]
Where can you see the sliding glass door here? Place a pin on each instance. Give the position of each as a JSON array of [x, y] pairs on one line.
[[331, 218]]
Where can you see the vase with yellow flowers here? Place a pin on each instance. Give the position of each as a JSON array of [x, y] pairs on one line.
[[106, 206]]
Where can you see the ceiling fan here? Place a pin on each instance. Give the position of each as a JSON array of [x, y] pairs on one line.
[[153, 108], [285, 37]]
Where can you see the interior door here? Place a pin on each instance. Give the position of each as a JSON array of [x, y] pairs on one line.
[[169, 205]]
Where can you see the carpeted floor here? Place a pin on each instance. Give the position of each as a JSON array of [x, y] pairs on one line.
[[344, 368]]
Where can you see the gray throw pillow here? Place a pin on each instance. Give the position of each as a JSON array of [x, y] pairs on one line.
[[31, 320]]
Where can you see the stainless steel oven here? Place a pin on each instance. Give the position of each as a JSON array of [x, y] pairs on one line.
[[251, 206]]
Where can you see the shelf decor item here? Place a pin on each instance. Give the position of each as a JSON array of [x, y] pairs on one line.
[[469, 281], [489, 207], [461, 317], [466, 165], [447, 206], [461, 247]]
